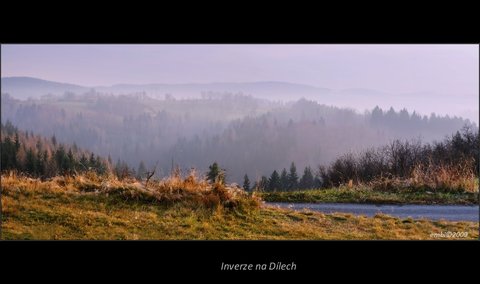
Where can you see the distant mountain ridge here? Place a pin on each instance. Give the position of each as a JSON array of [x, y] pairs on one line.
[[25, 87]]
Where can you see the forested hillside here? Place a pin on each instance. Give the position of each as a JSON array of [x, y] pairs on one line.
[[240, 132], [42, 157]]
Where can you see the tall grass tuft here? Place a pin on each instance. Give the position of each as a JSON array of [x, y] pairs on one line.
[[191, 190], [458, 177], [431, 177]]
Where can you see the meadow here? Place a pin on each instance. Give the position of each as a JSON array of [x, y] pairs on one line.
[[93, 207]]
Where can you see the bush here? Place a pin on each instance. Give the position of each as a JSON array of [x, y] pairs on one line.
[[450, 165]]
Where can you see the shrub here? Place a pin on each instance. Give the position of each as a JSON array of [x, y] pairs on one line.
[[450, 165]]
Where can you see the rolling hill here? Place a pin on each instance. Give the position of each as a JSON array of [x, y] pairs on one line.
[[28, 87], [25, 87]]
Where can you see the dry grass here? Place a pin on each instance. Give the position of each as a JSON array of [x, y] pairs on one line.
[[190, 190], [92, 207], [72, 216], [457, 178], [96, 207]]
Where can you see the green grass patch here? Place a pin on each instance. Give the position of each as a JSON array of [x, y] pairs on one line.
[[366, 195]]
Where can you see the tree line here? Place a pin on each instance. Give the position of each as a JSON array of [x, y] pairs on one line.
[[284, 181], [37, 156], [42, 157]]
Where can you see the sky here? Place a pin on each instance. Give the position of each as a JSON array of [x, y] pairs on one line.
[[444, 70], [390, 68]]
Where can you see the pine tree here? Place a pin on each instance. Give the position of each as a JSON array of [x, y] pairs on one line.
[[376, 116], [292, 177], [246, 183], [307, 180], [274, 181], [100, 166], [91, 161], [263, 184], [8, 154], [215, 174], [21, 159], [122, 170], [284, 180], [61, 159], [9, 128], [54, 141], [118, 168], [71, 161], [255, 186], [30, 166], [83, 162], [51, 168], [41, 162], [17, 141]]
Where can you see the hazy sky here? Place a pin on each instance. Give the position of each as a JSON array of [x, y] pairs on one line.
[[445, 69]]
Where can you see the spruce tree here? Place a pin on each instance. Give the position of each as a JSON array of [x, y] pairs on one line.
[[41, 163], [215, 173], [8, 154], [30, 166], [100, 166], [118, 168], [246, 183], [274, 181], [317, 181], [255, 186], [54, 141], [61, 159], [71, 161], [17, 141], [284, 180], [83, 162], [263, 184], [91, 161], [292, 177], [307, 180]]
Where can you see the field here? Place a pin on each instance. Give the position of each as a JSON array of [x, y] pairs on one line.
[[86, 208]]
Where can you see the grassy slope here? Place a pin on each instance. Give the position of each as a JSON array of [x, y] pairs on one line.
[[67, 214], [365, 195]]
